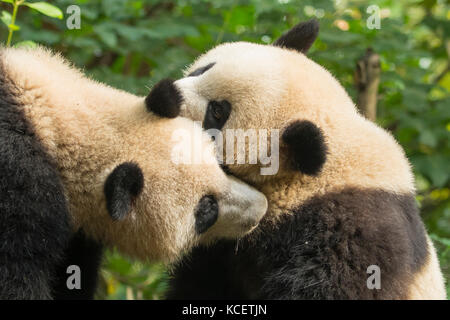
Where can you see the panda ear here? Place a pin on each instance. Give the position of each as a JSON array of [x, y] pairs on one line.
[[300, 37], [164, 99], [121, 188], [307, 150]]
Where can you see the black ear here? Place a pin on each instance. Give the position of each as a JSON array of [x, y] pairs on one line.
[[122, 186], [301, 37], [164, 99], [306, 145]]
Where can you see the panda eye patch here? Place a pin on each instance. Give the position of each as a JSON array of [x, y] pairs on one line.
[[217, 114], [202, 70], [217, 110], [206, 213]]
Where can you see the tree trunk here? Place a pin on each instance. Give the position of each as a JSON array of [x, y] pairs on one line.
[[367, 79]]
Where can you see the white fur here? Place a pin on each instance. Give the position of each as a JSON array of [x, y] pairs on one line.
[[268, 87], [89, 128]]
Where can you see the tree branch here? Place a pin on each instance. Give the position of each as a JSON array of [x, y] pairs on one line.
[[367, 79]]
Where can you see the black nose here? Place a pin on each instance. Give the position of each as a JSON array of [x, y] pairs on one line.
[[164, 99], [206, 213], [226, 169]]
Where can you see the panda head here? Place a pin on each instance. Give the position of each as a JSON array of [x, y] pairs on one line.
[[285, 97], [124, 161], [245, 86], [160, 207], [157, 200]]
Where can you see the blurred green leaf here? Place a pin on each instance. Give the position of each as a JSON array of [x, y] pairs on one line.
[[13, 27], [6, 18], [26, 44], [106, 34], [427, 137], [46, 8]]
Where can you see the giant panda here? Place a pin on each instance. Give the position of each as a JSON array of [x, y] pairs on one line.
[[342, 221], [84, 165]]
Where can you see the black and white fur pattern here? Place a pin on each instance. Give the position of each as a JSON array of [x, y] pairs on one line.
[[84, 166], [342, 201]]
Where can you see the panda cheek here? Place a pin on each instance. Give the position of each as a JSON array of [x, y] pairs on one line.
[[206, 213]]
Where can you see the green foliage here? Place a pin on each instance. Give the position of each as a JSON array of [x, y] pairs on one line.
[[45, 8], [133, 44], [124, 279], [10, 20]]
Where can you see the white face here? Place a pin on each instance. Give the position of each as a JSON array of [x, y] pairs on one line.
[[247, 83], [182, 202], [233, 208], [323, 141], [122, 184], [262, 89], [248, 76]]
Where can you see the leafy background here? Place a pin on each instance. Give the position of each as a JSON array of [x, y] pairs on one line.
[[133, 44]]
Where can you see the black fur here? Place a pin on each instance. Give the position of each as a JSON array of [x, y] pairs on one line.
[[87, 254], [206, 213], [122, 186], [300, 37], [226, 169], [164, 99], [202, 70], [217, 114], [321, 251], [34, 218], [307, 150]]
